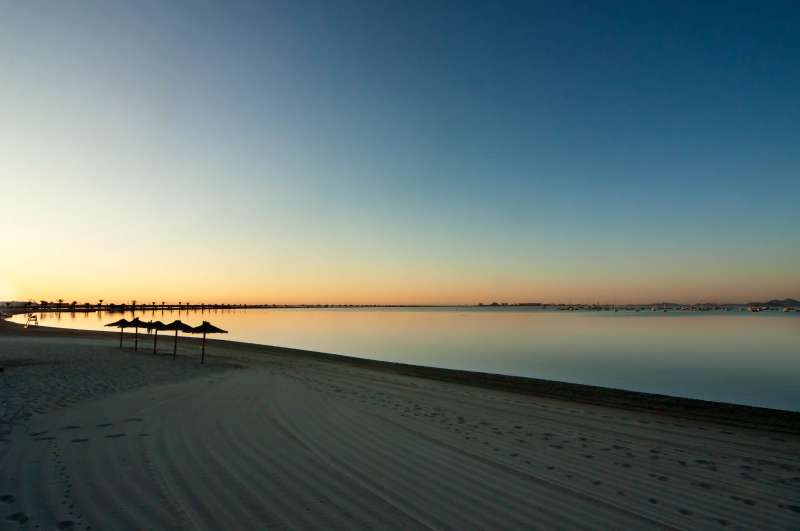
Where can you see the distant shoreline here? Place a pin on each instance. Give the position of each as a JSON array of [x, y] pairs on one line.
[[16, 307]]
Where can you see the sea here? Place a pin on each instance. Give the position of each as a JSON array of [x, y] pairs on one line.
[[727, 356]]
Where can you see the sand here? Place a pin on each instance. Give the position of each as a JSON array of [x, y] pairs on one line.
[[268, 438]]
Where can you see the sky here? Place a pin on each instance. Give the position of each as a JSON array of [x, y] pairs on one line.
[[399, 152]]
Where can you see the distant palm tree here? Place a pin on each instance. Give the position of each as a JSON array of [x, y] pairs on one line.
[[99, 303], [60, 302]]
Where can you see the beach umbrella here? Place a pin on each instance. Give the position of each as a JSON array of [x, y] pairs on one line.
[[156, 326], [178, 326], [206, 328], [137, 323], [121, 324]]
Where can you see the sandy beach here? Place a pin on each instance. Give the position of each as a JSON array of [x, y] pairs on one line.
[[94, 437]]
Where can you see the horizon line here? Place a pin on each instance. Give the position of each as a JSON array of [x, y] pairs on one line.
[[62, 303]]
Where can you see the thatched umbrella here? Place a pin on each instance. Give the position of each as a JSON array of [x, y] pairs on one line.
[[137, 323], [178, 326], [156, 326], [121, 324], [206, 328]]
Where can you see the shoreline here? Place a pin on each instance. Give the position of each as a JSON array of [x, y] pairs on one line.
[[269, 437], [751, 417]]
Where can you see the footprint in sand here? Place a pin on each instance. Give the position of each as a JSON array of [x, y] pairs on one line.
[[115, 435], [748, 502], [104, 425], [794, 508], [134, 419], [79, 440], [7, 498], [20, 518], [38, 433], [44, 439], [66, 525], [71, 427]]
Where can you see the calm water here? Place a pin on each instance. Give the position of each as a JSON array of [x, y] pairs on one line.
[[726, 356]]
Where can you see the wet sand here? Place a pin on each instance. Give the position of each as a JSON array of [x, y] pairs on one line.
[[94, 437]]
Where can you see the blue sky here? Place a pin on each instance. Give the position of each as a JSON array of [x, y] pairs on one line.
[[398, 152]]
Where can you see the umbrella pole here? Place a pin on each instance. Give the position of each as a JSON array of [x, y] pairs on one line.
[[175, 345], [136, 339], [155, 341], [120, 336], [203, 357]]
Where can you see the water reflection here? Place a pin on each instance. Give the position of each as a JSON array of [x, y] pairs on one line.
[[732, 357]]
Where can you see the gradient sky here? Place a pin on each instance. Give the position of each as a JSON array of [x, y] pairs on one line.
[[399, 152]]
